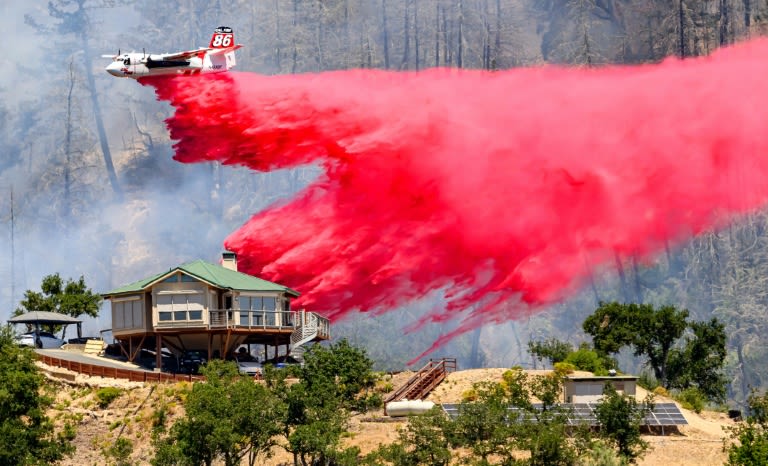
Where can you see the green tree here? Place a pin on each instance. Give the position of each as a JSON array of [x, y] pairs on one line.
[[503, 420], [553, 350], [620, 417], [73, 298], [544, 432], [748, 444], [587, 359], [340, 370], [331, 384], [227, 418], [699, 364], [482, 425], [421, 442], [651, 332], [27, 435], [611, 326]]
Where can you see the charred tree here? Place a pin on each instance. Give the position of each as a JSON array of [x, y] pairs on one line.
[[681, 28], [77, 22], [406, 36], [416, 32], [294, 27], [68, 143], [385, 31], [437, 34], [460, 43]]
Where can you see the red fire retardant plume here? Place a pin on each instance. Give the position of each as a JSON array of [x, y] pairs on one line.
[[503, 189]]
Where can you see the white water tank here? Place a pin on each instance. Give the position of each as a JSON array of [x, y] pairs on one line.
[[407, 407]]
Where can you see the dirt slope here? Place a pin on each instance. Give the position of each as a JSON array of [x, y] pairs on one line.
[[131, 415]]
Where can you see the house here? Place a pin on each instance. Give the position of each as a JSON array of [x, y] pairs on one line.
[[589, 388], [210, 308]]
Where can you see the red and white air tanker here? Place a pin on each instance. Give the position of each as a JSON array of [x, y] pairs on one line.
[[218, 57]]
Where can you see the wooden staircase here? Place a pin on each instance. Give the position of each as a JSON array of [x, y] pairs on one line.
[[424, 381]]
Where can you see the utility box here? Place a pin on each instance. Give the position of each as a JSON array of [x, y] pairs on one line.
[[589, 389]]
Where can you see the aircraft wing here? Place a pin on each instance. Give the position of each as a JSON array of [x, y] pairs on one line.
[[225, 50], [184, 55]]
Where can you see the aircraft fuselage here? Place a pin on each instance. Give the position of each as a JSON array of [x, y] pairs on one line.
[[138, 65]]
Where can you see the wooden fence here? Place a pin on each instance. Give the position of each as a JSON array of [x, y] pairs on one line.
[[117, 373]]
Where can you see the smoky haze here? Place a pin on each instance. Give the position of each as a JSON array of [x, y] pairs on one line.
[[170, 213], [66, 216], [480, 197]]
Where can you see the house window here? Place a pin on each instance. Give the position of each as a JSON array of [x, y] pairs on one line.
[[127, 313], [180, 307], [172, 279], [188, 279], [257, 310]]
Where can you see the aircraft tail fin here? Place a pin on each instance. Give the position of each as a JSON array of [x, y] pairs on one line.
[[222, 38]]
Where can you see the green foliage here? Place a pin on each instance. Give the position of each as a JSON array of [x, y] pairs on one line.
[[333, 381], [699, 364], [340, 370], [612, 326], [227, 418], [422, 442], [482, 425], [647, 381], [73, 298], [586, 359], [691, 398], [564, 368], [748, 444], [107, 395], [119, 452], [653, 333], [600, 454], [552, 350], [484, 428], [27, 435], [620, 417]]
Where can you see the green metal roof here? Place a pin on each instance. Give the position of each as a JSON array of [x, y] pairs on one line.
[[216, 275]]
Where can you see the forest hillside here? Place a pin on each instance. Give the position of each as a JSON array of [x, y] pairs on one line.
[[90, 187]]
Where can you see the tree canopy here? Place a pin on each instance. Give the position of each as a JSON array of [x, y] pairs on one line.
[[228, 418], [27, 435], [72, 297], [657, 333]]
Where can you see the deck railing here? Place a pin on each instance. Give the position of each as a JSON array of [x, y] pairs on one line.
[[251, 320]]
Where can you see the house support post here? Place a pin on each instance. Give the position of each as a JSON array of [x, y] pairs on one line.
[[158, 354]]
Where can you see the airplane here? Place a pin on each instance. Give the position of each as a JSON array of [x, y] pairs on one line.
[[218, 57]]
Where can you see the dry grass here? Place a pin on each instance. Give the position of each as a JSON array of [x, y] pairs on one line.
[[697, 444]]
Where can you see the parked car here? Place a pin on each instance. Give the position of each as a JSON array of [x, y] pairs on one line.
[[39, 339], [248, 366], [284, 361], [191, 360]]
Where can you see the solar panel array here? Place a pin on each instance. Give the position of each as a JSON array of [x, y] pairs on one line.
[[663, 414]]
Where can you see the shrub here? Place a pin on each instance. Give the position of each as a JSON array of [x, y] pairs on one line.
[[469, 395], [369, 402], [120, 452], [107, 395], [692, 398], [601, 454], [648, 381], [586, 359], [564, 368]]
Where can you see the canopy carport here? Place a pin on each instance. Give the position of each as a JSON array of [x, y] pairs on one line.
[[38, 318]]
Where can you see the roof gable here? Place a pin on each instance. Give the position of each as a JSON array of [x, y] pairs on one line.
[[215, 275]]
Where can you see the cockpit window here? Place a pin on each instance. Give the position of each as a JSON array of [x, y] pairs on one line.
[[127, 61]]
